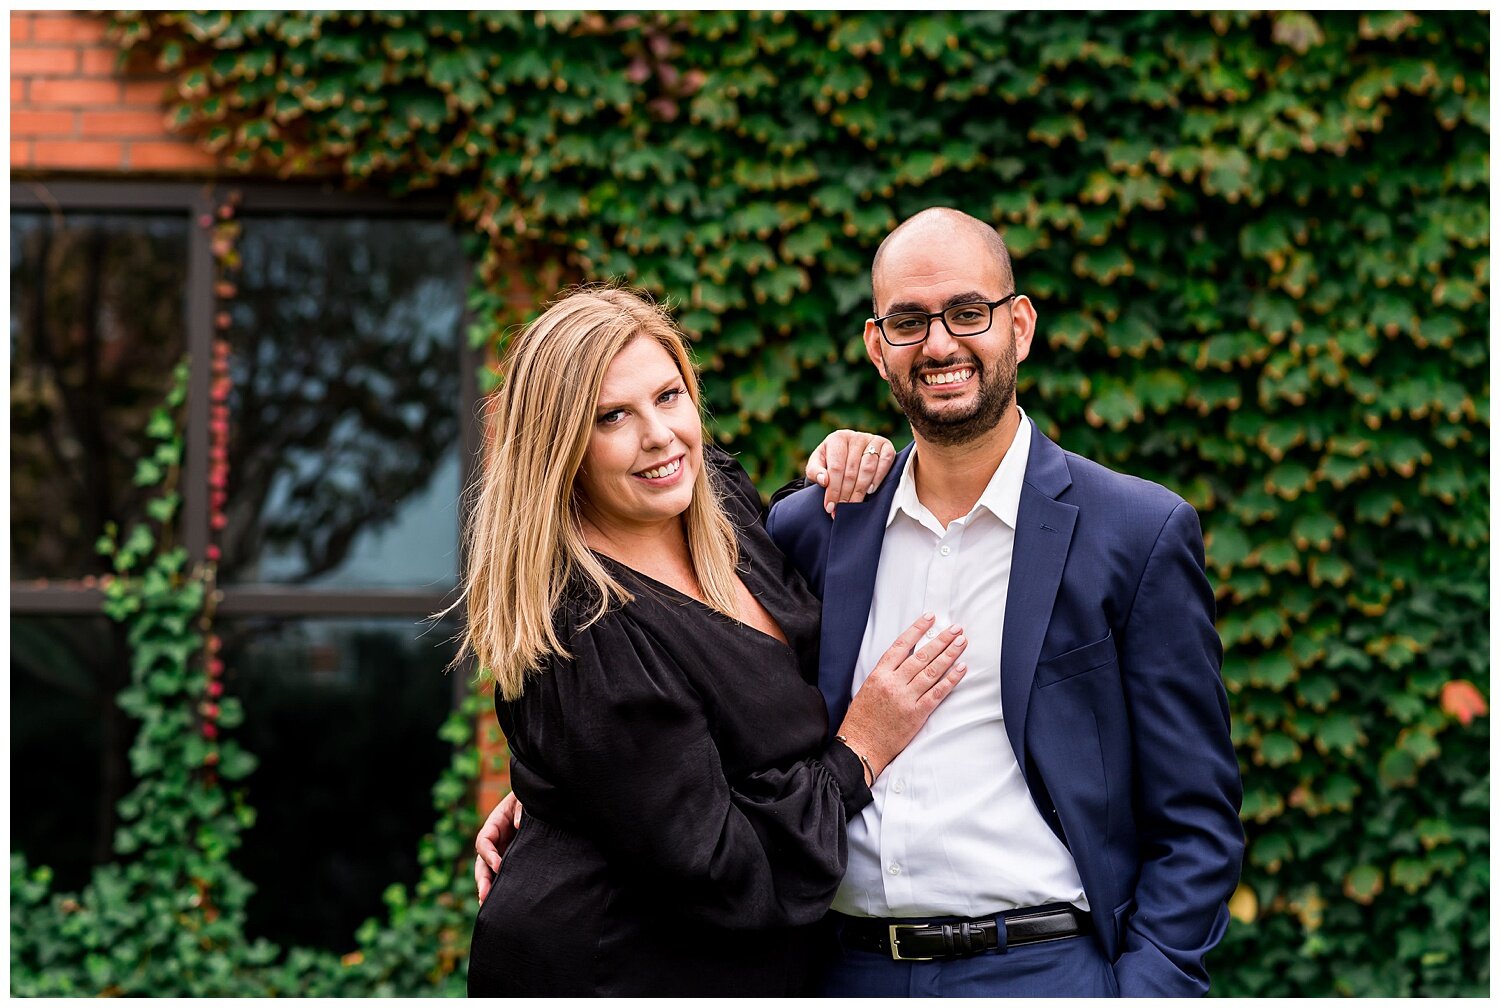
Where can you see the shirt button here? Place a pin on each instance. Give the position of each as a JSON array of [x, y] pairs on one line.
[[894, 869], [931, 633], [945, 550], [900, 785]]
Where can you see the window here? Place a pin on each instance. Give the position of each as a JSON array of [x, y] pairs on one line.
[[344, 447], [96, 325], [67, 740], [350, 423], [342, 715]]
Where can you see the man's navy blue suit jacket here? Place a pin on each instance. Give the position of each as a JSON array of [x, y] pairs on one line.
[[1110, 692]]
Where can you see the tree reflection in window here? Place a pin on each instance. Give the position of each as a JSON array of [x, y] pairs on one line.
[[344, 422], [96, 325]]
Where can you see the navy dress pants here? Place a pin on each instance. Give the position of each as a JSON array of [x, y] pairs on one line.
[[1068, 967]]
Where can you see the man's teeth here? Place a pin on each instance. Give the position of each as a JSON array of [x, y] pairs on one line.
[[947, 377], [662, 471]]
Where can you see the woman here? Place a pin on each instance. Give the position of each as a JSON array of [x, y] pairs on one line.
[[652, 655]]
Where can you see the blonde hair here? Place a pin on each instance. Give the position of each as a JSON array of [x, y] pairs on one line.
[[525, 539]]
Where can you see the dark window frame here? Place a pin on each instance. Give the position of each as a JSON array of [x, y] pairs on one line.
[[196, 200]]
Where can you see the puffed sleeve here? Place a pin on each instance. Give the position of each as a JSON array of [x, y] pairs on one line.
[[619, 743]]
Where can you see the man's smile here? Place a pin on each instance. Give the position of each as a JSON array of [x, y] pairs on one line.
[[950, 376]]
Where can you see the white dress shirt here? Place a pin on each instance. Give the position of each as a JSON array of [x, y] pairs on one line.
[[953, 830]]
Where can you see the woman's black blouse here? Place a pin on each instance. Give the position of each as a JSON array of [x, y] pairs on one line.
[[684, 811]]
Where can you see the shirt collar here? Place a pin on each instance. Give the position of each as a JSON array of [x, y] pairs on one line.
[[1001, 496]]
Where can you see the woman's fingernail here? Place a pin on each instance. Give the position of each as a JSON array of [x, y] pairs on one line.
[[929, 616]]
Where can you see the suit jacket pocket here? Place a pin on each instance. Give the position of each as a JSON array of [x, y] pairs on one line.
[[1120, 915], [1077, 661]]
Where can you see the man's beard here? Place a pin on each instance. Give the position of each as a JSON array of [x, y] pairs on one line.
[[997, 391]]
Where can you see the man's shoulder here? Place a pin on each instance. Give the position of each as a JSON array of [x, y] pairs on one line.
[[1096, 478], [798, 514], [1129, 499]]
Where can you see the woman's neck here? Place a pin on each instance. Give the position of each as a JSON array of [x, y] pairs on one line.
[[659, 551]]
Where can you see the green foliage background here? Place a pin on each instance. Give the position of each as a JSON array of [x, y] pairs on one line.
[[1258, 244]]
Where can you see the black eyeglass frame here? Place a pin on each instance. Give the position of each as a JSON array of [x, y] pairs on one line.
[[941, 316]]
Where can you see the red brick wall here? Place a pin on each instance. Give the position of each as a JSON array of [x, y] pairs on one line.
[[73, 110], [494, 773]]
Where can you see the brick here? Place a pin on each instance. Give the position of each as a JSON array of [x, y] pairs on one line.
[[67, 26], [20, 27], [74, 91], [97, 154], [170, 156], [99, 61], [54, 60], [493, 783], [29, 123], [17, 92], [20, 154], [153, 93], [124, 122], [490, 790]]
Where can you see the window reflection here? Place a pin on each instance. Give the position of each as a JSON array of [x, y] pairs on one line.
[[96, 326], [68, 741], [343, 716], [344, 427]]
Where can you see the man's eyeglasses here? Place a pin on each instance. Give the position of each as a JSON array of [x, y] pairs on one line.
[[969, 319]]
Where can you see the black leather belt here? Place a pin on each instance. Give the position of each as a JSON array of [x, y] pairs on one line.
[[918, 942]]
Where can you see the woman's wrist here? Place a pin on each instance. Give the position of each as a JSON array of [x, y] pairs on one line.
[[864, 760]]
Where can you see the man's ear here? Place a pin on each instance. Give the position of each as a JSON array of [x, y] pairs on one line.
[[1024, 314], [875, 347]]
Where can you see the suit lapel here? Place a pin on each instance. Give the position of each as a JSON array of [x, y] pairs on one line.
[[1044, 531], [849, 586]]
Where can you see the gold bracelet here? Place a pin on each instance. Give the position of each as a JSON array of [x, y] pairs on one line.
[[869, 770]]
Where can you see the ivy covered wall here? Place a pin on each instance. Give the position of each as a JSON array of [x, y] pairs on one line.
[[1258, 245]]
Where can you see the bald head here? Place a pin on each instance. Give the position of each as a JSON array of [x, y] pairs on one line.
[[939, 227]]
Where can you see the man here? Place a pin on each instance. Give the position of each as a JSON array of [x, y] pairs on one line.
[[1067, 821]]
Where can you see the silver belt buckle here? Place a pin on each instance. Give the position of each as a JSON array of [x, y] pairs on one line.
[[896, 944]]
